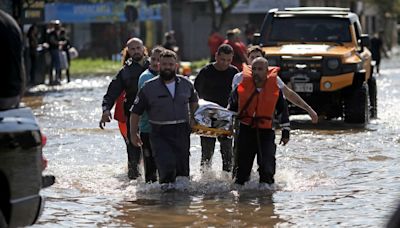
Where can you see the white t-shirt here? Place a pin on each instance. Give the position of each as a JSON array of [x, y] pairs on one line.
[[237, 79], [171, 88]]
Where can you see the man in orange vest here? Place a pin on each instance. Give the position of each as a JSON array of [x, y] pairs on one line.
[[257, 99]]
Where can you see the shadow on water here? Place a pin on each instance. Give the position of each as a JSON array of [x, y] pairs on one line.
[[208, 200], [33, 102], [332, 125]]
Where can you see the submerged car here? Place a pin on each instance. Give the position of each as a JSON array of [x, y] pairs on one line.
[[324, 57]]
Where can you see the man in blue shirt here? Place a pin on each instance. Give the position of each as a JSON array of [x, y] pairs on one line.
[[150, 169]]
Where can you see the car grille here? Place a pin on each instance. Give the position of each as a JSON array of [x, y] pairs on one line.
[[304, 65]]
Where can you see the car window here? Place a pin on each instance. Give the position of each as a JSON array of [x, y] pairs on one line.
[[309, 29]]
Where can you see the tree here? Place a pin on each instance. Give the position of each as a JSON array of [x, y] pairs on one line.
[[226, 7], [387, 6], [390, 10]]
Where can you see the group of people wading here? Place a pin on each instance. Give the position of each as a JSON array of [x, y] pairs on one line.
[[155, 108]]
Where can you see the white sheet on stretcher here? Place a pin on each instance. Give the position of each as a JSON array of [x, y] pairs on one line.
[[212, 115]]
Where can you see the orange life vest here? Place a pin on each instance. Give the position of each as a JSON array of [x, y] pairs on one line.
[[119, 108], [260, 111]]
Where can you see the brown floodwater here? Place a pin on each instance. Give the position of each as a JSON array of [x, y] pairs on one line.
[[329, 175]]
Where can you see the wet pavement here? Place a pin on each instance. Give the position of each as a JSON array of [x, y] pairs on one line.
[[332, 174]]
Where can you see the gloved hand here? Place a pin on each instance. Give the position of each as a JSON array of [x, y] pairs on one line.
[[285, 137]]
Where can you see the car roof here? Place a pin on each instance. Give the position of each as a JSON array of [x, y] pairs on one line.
[[315, 11]]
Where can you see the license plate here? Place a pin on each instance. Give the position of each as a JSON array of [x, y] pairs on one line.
[[303, 87]]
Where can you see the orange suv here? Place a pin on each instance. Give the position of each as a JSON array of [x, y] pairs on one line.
[[324, 57]]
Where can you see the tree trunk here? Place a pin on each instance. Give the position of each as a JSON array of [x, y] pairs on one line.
[[217, 23]]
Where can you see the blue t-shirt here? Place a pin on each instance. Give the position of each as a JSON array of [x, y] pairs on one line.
[[144, 125]]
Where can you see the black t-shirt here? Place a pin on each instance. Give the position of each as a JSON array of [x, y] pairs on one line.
[[214, 85], [12, 75]]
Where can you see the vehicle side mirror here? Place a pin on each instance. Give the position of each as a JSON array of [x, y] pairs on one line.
[[256, 38], [364, 40]]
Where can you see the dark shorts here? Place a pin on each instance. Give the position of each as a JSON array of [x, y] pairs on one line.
[[250, 144]]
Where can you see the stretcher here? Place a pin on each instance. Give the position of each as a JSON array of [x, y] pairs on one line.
[[210, 132], [213, 120]]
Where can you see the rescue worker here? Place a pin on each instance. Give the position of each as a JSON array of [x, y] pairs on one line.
[[257, 98], [238, 39], [150, 168], [119, 112], [170, 101], [253, 53], [239, 56], [127, 80], [214, 83], [214, 41], [290, 95]]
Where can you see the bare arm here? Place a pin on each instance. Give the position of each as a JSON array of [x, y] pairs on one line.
[[193, 107], [299, 102], [135, 137]]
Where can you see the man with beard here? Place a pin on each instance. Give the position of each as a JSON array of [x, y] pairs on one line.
[[150, 168], [167, 99], [257, 99], [127, 80], [214, 83], [255, 52]]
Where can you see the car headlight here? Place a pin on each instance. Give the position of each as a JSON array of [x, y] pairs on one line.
[[333, 64]]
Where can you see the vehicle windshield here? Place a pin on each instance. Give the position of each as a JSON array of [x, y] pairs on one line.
[[309, 29]]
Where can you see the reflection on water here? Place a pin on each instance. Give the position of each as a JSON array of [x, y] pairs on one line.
[[332, 174], [182, 209]]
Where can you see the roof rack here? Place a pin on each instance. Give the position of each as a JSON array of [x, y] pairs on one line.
[[313, 13], [333, 9]]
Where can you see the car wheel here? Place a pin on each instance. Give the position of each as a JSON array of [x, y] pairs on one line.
[[373, 97], [356, 105]]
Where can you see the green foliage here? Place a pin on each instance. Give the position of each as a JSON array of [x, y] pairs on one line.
[[387, 6], [196, 65], [226, 8], [87, 67], [90, 67]]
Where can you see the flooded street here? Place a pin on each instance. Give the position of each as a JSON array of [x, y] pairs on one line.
[[331, 174]]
